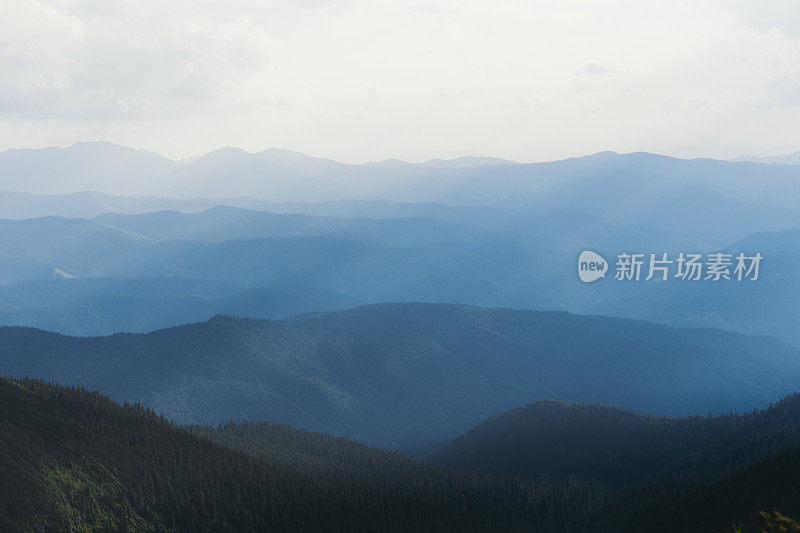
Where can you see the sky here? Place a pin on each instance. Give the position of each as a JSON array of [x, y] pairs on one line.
[[367, 80]]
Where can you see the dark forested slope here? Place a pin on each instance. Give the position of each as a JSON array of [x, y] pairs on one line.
[[676, 474], [73, 460], [622, 447]]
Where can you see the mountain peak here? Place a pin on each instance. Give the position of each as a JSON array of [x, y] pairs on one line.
[[392, 162], [468, 161]]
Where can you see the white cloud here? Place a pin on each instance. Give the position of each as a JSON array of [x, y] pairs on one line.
[[783, 92], [783, 16], [364, 80]]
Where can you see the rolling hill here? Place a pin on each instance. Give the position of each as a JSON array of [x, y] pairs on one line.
[[410, 376], [557, 439], [702, 473], [477, 256], [60, 291], [222, 223], [108, 313], [370, 260]]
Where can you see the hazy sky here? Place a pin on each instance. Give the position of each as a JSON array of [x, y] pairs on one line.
[[366, 80]]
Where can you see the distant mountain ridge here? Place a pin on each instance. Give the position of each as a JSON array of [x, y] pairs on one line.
[[786, 159], [282, 175], [493, 235], [458, 162], [82, 166], [90, 166]]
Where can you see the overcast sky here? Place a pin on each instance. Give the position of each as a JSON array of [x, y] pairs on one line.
[[366, 80]]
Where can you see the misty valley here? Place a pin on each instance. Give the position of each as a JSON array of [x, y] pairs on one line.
[[309, 345]]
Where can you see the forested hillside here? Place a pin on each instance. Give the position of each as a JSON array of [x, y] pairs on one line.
[[411, 375], [556, 438], [673, 474], [550, 437], [74, 460]]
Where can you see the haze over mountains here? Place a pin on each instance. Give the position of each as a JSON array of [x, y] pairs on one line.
[[620, 200], [276, 287], [281, 175], [107, 167], [768, 306], [435, 253], [236, 240]]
